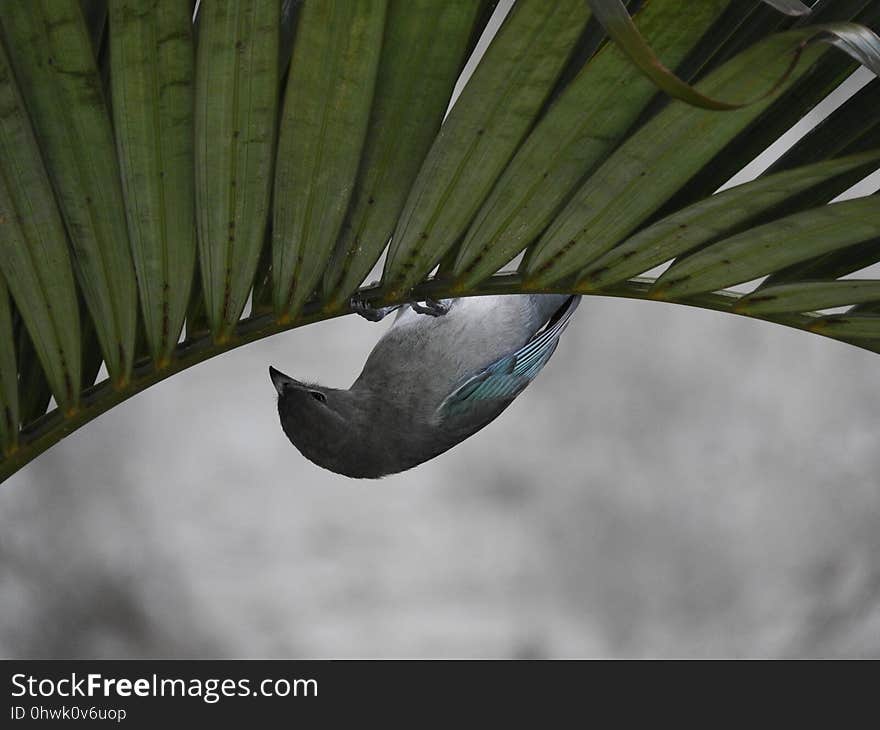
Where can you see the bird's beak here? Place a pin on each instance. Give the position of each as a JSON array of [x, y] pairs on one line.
[[280, 380]]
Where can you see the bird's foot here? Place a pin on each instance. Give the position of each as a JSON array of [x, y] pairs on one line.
[[431, 307], [375, 314]]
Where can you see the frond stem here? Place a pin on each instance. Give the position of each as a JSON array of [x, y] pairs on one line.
[[38, 436]]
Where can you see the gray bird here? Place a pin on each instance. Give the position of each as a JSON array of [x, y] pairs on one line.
[[429, 383]]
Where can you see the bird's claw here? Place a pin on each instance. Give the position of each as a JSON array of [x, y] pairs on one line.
[[375, 314], [431, 307], [361, 306]]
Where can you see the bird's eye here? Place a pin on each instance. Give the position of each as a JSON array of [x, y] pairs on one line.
[[318, 396]]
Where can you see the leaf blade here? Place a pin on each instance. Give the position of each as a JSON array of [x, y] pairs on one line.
[[653, 164], [767, 248], [51, 53], [33, 246], [424, 49], [857, 326], [481, 133], [582, 127], [615, 18], [711, 218], [831, 265], [857, 41], [809, 296], [323, 126], [152, 65], [236, 109]]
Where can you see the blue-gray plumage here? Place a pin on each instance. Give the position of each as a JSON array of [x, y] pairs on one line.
[[429, 383]]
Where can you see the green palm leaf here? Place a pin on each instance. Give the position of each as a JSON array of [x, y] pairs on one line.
[[848, 326], [703, 222], [121, 132], [151, 59], [762, 250], [659, 158], [326, 110], [582, 127], [50, 49], [236, 107], [488, 122], [424, 49], [33, 248], [808, 296]]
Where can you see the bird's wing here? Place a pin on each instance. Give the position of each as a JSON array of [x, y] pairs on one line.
[[508, 376]]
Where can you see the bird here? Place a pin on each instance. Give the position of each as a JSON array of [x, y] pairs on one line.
[[443, 371]]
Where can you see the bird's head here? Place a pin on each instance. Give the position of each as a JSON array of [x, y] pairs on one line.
[[321, 422]]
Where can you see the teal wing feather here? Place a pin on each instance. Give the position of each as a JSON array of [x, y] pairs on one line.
[[508, 376]]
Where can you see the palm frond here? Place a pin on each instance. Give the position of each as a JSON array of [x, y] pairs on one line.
[[156, 175]]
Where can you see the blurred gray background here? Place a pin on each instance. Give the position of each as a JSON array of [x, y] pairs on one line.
[[676, 483]]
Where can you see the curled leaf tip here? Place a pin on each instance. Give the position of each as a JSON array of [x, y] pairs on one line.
[[860, 42], [616, 20]]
